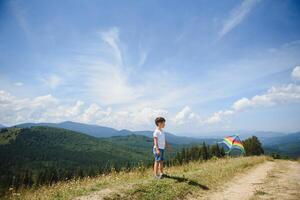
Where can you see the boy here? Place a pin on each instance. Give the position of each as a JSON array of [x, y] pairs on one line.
[[159, 147]]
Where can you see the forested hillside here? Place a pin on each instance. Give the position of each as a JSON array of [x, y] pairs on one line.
[[43, 155]]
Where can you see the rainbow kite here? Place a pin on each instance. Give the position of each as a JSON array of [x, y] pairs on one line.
[[233, 142]]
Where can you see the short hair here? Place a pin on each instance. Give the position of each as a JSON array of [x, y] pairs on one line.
[[159, 120]]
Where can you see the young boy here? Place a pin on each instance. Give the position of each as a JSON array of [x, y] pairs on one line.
[[159, 147]]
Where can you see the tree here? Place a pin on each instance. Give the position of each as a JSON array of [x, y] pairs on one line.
[[205, 153], [183, 155], [253, 146], [216, 151]]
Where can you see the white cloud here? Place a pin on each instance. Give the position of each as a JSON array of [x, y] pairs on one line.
[[108, 81], [47, 108], [20, 15], [52, 81], [237, 15], [291, 44], [143, 58], [104, 76], [296, 73], [274, 96], [95, 112], [217, 117], [241, 104], [19, 84], [185, 115], [279, 95], [13, 109], [111, 37]]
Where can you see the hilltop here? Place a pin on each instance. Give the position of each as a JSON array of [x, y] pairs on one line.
[[227, 178]]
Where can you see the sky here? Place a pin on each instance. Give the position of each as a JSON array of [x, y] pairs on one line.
[[203, 65]]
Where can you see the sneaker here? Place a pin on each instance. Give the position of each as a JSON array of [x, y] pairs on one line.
[[158, 177]]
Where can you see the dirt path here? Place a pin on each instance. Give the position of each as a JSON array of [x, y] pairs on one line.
[[283, 182], [97, 195], [271, 180], [244, 187]]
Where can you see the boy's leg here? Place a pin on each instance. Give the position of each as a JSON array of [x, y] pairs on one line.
[[161, 167], [156, 163]]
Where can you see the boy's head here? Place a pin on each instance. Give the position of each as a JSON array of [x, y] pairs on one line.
[[160, 122]]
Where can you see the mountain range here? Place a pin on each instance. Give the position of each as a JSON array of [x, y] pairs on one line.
[[288, 144], [105, 132]]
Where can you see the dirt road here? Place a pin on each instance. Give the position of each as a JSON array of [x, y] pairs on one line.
[[283, 182], [271, 180]]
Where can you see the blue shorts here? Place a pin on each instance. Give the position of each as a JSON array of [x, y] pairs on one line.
[[159, 157]]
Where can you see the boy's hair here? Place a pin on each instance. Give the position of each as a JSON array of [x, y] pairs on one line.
[[159, 120]]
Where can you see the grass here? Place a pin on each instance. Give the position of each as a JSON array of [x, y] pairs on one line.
[[259, 192], [194, 178]]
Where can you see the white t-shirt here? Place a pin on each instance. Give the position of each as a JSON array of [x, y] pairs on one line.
[[161, 139]]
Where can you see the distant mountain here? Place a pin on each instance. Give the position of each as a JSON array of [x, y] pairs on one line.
[[242, 134], [273, 141], [2, 126], [104, 132], [178, 139], [287, 138], [89, 129], [286, 145]]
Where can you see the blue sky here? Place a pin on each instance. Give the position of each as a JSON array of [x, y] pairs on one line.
[[204, 65]]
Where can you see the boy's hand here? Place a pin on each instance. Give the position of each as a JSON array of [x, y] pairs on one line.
[[157, 151]]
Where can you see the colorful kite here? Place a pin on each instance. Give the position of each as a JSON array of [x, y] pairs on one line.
[[233, 142]]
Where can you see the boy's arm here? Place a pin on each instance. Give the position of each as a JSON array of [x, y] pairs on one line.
[[156, 145]]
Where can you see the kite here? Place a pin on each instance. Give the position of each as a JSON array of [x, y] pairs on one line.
[[233, 142]]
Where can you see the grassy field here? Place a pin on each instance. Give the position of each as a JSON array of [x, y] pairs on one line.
[[195, 178]]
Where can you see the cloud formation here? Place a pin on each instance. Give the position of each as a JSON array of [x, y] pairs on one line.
[[237, 15], [274, 96], [47, 108], [280, 95], [19, 84], [52, 81], [184, 116], [296, 73]]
